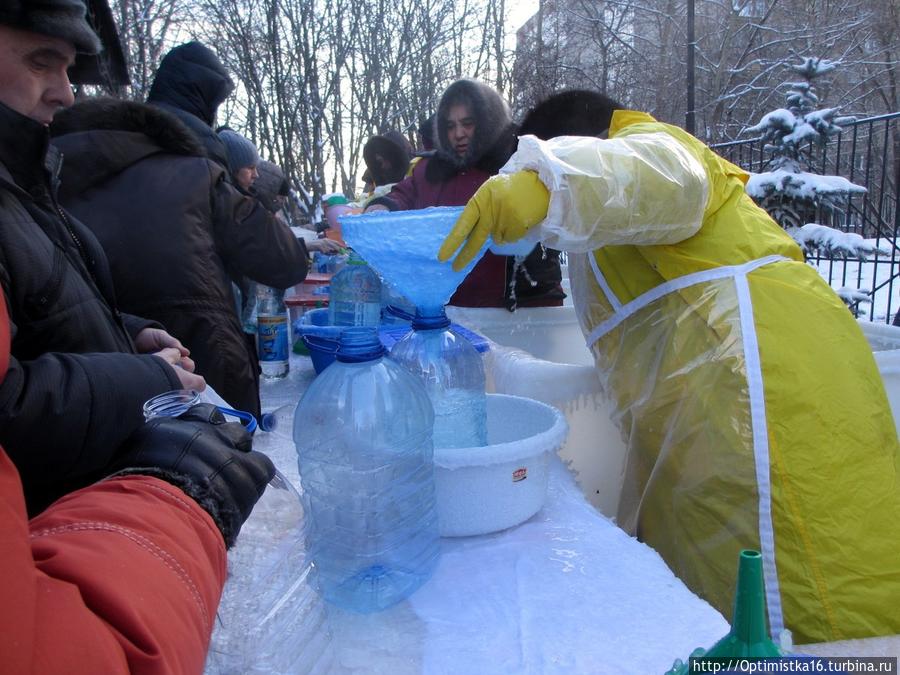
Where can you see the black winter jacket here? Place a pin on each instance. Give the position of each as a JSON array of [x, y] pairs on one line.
[[174, 231], [75, 385]]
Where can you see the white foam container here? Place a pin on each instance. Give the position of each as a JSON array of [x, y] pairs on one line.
[[486, 489]]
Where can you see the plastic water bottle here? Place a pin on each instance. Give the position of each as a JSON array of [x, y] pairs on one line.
[[363, 437], [355, 295], [272, 332], [453, 374]]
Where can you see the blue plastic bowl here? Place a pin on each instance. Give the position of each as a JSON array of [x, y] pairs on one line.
[[319, 337]]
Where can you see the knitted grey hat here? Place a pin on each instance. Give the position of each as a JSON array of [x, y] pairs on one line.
[[241, 151], [64, 19]]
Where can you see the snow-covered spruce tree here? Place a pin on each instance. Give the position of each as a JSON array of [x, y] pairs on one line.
[[789, 191]]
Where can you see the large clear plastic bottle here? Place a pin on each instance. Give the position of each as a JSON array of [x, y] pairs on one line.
[[272, 332], [453, 374], [363, 436], [355, 295]]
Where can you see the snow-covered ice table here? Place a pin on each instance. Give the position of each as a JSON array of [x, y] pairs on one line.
[[565, 592]]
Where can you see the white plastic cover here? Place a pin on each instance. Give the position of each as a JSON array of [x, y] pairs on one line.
[[641, 189]]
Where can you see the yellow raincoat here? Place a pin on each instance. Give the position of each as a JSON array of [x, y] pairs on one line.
[[749, 399]]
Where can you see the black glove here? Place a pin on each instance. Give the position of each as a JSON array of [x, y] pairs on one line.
[[207, 457]]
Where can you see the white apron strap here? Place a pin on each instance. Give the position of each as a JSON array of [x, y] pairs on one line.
[[671, 286]]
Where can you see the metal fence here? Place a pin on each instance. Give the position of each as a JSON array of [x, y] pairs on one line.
[[866, 152]]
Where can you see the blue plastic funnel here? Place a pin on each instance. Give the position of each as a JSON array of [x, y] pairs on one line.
[[402, 246]]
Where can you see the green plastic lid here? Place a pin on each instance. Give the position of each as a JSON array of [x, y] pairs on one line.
[[335, 199]]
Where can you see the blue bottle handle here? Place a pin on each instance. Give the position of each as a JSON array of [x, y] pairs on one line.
[[247, 419], [279, 481]]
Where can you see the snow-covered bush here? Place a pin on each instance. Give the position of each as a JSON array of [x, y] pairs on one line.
[[790, 191], [827, 242]]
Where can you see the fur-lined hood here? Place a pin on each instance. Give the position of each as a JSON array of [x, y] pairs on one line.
[[495, 134], [100, 137]]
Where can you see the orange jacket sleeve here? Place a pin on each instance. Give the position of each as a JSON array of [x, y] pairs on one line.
[[122, 576]]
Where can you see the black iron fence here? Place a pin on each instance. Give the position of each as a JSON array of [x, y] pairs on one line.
[[866, 152]]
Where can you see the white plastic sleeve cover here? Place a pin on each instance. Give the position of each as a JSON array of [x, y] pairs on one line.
[[640, 189]]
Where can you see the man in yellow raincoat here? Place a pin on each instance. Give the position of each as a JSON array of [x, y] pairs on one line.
[[748, 397]]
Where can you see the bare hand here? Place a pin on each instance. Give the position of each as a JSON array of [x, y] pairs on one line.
[[323, 246], [184, 368], [156, 340], [376, 208], [190, 380], [153, 339]]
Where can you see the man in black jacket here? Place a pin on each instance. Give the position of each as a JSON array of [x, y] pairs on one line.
[[76, 379]]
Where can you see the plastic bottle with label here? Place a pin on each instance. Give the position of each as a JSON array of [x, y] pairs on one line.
[[363, 436], [273, 340], [452, 371], [355, 298]]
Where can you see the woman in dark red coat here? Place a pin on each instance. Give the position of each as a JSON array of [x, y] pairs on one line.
[[474, 136]]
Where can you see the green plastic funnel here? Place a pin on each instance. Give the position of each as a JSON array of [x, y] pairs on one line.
[[748, 636], [402, 246]]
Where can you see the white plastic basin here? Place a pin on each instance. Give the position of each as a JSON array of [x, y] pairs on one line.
[[540, 353], [491, 488]]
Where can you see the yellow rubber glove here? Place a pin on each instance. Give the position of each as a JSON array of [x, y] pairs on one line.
[[505, 207]]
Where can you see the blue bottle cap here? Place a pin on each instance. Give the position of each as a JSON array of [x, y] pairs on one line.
[[430, 320], [359, 344]]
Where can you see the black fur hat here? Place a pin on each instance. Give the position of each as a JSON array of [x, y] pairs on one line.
[[271, 181], [575, 112], [64, 19]]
